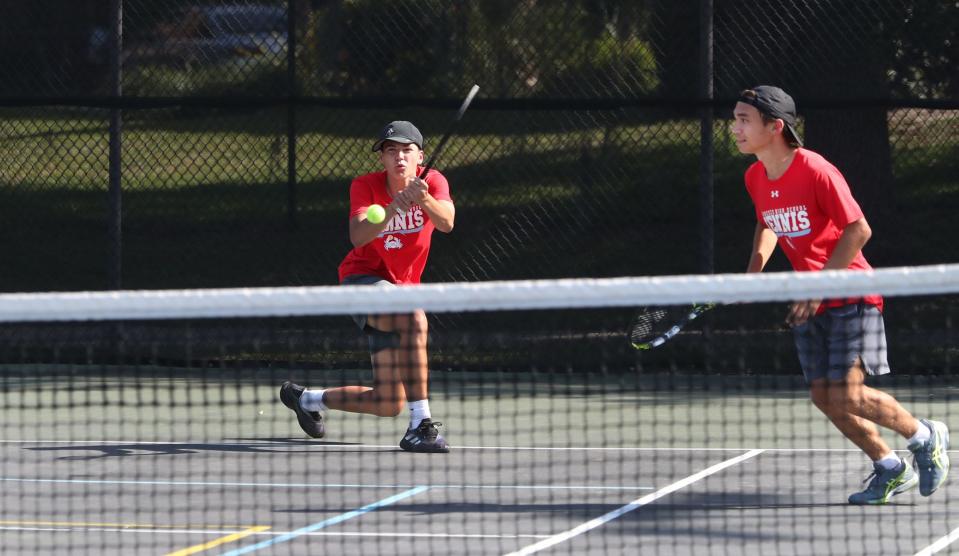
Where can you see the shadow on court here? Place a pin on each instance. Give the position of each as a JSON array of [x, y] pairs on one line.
[[127, 449]]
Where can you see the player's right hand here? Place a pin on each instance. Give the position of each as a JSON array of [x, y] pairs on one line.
[[801, 311], [401, 203]]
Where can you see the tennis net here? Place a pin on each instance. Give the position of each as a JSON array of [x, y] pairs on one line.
[[151, 422]]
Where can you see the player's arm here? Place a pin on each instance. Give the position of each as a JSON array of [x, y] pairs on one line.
[[362, 231], [764, 243], [442, 213], [853, 239]]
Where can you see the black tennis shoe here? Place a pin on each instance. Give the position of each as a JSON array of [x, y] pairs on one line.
[[424, 438], [310, 421]]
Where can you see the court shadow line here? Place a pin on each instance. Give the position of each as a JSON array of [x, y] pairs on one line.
[[141, 449]]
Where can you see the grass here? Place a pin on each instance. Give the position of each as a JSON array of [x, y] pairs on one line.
[[539, 194]]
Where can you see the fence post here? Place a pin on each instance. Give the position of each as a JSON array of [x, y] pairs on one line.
[[291, 114], [115, 224], [706, 255]]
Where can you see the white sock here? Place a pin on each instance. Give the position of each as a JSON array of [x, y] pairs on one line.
[[312, 400], [889, 461], [419, 410], [922, 434]]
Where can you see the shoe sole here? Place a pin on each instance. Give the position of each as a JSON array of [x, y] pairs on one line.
[[416, 450], [424, 448], [310, 426]]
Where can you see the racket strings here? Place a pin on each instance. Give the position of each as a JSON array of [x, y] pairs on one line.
[[645, 324]]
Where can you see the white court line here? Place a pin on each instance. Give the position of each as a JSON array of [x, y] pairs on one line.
[[634, 505], [941, 543]]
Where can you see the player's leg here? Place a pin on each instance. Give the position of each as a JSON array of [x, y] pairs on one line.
[[927, 440], [413, 368], [820, 343], [832, 398], [891, 475], [384, 398], [412, 357]]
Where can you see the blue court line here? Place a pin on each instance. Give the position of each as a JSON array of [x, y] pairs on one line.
[[326, 523]]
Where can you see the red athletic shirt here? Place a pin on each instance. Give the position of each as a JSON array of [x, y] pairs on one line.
[[808, 207], [399, 252]]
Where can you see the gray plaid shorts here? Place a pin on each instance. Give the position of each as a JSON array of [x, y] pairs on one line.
[[828, 344]]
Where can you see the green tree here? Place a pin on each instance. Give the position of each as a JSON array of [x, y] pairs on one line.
[[513, 48]]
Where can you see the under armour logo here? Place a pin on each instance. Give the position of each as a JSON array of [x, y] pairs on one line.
[[774, 193]]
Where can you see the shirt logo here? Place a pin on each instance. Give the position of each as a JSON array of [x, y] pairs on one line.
[[392, 242], [774, 193]]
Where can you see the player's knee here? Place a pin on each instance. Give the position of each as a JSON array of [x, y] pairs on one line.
[[840, 399], [391, 408]]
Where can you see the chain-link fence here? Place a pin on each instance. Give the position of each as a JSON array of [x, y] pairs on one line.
[[215, 146]]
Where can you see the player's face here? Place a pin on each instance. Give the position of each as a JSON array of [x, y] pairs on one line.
[[748, 129], [400, 159]]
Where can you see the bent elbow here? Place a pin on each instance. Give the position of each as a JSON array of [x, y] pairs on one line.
[[864, 230]]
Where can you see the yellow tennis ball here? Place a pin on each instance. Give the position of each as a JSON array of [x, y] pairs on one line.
[[375, 214]]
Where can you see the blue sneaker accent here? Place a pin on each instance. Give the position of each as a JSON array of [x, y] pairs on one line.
[[931, 457], [310, 421], [424, 438], [885, 484]]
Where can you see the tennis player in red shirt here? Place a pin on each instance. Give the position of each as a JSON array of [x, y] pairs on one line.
[[392, 252], [804, 205]]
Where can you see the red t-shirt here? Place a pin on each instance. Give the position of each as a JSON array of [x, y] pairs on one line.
[[808, 207], [399, 252]]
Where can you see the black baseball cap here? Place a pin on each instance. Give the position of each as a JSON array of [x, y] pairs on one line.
[[401, 132], [776, 103]]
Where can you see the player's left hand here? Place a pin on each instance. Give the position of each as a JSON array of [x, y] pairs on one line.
[[801, 311], [416, 190]]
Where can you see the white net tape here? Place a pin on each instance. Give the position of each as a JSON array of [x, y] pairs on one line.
[[476, 296]]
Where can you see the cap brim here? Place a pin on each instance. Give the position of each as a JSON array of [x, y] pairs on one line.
[[396, 139], [795, 134]]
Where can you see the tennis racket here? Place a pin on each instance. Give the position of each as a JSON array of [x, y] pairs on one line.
[[449, 132], [654, 326]]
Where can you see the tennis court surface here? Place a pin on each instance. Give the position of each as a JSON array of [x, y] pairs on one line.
[[166, 436]]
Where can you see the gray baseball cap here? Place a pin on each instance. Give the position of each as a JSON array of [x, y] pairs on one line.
[[776, 103], [401, 132]]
